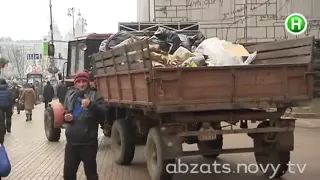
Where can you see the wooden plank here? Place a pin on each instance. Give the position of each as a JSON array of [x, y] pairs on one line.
[[120, 50], [291, 60], [108, 84], [131, 56], [280, 45], [133, 92], [121, 68], [306, 50]]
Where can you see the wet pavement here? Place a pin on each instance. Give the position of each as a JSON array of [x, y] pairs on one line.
[[34, 158]]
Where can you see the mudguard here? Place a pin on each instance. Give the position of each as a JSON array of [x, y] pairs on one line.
[[58, 114]]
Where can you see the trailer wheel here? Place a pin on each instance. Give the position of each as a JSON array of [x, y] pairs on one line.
[[270, 156], [210, 145], [122, 141], [157, 166], [52, 134]]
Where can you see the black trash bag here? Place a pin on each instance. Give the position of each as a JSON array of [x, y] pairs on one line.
[[163, 45], [170, 37], [197, 39], [186, 41], [114, 40]]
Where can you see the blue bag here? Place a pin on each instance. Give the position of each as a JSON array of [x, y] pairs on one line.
[[5, 165]]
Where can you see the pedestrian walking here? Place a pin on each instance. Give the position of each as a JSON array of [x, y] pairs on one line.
[[48, 94], [28, 98], [61, 91], [83, 109], [16, 94], [6, 106]]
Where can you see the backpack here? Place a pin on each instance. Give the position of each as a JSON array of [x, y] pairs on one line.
[[5, 165]]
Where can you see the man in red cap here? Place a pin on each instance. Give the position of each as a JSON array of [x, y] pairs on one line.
[[84, 108], [91, 78]]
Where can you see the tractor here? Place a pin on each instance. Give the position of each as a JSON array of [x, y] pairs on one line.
[[79, 53], [79, 59]]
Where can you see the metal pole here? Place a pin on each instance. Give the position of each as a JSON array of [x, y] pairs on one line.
[[51, 41], [73, 28], [246, 21], [82, 27], [71, 14], [23, 59], [51, 21]]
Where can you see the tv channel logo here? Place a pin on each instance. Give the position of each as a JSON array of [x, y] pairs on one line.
[[296, 24]]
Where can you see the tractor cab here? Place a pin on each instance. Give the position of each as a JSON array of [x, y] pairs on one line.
[[79, 59], [79, 55]]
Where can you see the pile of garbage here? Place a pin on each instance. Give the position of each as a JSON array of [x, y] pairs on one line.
[[170, 49]]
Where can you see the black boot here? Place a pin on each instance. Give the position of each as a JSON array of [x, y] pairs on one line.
[[8, 124], [8, 128], [30, 118], [27, 116]]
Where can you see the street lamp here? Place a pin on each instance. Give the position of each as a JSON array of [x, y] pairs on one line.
[[71, 14], [83, 23]]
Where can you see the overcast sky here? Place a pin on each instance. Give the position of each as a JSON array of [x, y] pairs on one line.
[[29, 19]]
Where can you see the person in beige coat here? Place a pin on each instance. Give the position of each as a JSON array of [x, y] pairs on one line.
[[28, 98]]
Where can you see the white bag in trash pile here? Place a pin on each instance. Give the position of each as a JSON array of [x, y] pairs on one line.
[[219, 55]]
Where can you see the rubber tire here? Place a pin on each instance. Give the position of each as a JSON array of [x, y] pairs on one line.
[[214, 144], [159, 173], [124, 154], [52, 134], [276, 158]]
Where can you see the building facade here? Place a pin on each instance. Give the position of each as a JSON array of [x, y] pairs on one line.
[[234, 20], [24, 56], [27, 55]]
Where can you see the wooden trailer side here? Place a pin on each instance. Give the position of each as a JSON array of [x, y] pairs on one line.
[[121, 74], [279, 77]]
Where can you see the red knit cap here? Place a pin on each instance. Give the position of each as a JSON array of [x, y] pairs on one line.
[[82, 76]]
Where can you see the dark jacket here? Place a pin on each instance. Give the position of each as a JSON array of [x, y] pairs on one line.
[[15, 92], [48, 93], [6, 97], [61, 91], [83, 130]]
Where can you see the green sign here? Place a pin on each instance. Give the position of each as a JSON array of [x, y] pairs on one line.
[[45, 48], [296, 24]]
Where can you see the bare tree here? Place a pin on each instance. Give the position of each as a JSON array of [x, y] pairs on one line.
[[15, 55], [3, 62]]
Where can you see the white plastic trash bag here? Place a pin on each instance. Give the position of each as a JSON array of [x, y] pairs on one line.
[[219, 56]]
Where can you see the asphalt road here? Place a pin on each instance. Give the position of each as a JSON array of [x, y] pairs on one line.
[[34, 158]]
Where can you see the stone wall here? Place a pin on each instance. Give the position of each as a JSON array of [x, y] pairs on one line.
[[236, 20]]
